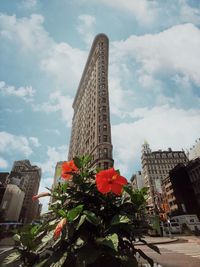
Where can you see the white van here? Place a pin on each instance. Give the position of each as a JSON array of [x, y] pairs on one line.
[[191, 220], [173, 226]]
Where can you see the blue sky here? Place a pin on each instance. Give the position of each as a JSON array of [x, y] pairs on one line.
[[154, 76]]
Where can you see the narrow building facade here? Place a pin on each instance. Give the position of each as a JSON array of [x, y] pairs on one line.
[[91, 130]]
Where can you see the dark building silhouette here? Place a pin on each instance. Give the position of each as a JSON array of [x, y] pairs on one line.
[[183, 190]]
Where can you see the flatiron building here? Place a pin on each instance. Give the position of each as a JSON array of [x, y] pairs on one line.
[[91, 130]]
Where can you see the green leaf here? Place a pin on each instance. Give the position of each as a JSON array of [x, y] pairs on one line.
[[118, 171], [91, 217], [62, 213], [86, 159], [74, 213], [81, 221], [16, 237], [111, 241], [128, 190], [77, 162], [118, 219], [14, 256], [34, 230], [48, 237]]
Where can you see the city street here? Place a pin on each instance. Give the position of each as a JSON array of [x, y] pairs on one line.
[[177, 254]]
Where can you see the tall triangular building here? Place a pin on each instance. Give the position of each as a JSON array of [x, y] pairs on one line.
[[91, 131]]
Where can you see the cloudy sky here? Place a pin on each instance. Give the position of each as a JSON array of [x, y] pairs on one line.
[[154, 76]]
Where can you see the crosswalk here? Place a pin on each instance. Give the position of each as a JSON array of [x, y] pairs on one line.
[[188, 249]]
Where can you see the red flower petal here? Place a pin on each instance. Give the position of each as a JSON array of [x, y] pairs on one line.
[[59, 228], [110, 180], [116, 188], [121, 180], [104, 188], [67, 168]]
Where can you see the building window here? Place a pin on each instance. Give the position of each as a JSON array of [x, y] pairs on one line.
[[105, 152], [104, 117], [104, 108], [105, 127], [105, 165], [105, 138]]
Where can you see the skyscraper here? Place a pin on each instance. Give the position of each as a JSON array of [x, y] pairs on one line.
[[91, 131]]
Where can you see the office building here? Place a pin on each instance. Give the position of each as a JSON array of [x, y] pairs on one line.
[[11, 203], [3, 183], [30, 181], [91, 130], [155, 168], [137, 180]]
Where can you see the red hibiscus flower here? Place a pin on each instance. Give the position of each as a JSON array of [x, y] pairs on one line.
[[59, 228], [67, 168], [45, 194], [110, 181]]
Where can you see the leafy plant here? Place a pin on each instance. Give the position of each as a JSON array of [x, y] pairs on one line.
[[94, 221]]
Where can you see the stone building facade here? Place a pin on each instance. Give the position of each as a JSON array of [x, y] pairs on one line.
[[29, 183], [155, 167], [91, 130], [12, 202], [137, 180]]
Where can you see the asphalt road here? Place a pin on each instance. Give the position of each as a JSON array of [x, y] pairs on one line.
[[175, 254]]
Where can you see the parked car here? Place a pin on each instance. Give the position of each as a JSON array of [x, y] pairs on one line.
[[190, 220], [173, 227]]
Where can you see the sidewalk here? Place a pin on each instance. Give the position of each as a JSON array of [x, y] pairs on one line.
[[157, 240], [190, 238], [165, 239]]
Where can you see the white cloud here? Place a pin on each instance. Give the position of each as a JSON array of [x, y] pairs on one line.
[[60, 61], [85, 27], [53, 156], [162, 127], [28, 33], [144, 11], [34, 141], [57, 102], [45, 182], [10, 143], [65, 64], [3, 163], [155, 69], [188, 13], [175, 50], [26, 93]]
